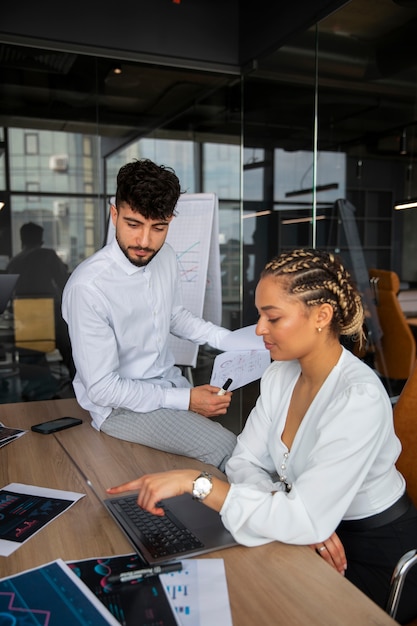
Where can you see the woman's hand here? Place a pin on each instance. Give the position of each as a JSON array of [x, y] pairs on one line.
[[333, 552], [155, 487]]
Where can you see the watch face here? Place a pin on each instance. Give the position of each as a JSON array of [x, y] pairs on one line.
[[202, 487], [203, 484]]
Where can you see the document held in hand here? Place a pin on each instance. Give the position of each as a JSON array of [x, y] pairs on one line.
[[244, 359]]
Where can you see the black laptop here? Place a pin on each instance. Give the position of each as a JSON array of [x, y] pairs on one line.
[[187, 529]]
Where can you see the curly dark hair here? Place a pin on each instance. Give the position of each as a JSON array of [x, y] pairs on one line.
[[316, 277], [150, 189]]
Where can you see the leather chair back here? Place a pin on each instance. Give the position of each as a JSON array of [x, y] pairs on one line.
[[397, 356]]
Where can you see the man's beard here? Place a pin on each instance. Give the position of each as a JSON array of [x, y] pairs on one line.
[[138, 262]]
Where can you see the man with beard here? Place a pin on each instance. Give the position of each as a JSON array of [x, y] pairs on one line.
[[120, 305]]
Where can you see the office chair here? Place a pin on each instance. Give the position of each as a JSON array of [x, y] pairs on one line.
[[42, 373], [405, 422], [395, 354], [34, 324], [404, 565]]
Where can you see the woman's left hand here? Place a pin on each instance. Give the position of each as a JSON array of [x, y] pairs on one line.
[[333, 552]]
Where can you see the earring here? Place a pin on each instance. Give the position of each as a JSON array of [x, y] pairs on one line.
[[319, 330]]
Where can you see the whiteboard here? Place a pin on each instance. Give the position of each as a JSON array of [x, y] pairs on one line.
[[194, 235]]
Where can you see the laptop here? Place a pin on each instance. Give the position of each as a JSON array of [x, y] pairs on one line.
[[188, 528], [7, 285]]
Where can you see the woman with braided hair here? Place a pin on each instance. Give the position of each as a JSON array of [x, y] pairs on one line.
[[315, 462]]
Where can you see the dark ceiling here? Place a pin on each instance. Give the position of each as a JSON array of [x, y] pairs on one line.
[[367, 76]]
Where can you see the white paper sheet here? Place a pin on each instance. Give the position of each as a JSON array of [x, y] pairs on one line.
[[242, 367], [199, 593], [243, 339]]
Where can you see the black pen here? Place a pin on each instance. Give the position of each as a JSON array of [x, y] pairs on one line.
[[126, 577], [225, 387]]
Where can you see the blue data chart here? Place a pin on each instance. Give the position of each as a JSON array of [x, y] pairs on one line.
[[48, 596]]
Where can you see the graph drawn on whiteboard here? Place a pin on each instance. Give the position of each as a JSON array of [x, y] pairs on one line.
[[194, 235]]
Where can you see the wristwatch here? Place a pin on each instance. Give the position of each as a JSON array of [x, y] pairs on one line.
[[202, 486]]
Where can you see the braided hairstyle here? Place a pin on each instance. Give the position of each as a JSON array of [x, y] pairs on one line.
[[318, 277]]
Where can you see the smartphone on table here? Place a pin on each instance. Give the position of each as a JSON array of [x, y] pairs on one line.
[[55, 425]]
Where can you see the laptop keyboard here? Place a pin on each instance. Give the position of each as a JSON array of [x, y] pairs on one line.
[[163, 536]]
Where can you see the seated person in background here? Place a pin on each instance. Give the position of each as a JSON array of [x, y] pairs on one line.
[[315, 462], [42, 274], [121, 305]]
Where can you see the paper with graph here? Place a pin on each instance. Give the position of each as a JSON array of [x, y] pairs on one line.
[[244, 359], [243, 367]]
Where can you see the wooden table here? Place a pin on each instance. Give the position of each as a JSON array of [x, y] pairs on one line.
[[270, 584]]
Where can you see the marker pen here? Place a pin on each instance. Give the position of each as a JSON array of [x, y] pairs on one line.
[[225, 387], [126, 577]]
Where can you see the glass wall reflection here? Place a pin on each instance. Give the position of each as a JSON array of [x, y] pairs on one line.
[[250, 139]]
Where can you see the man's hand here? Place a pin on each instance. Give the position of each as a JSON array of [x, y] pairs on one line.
[[333, 552], [205, 401]]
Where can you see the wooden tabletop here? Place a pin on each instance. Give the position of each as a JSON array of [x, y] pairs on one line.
[[270, 584]]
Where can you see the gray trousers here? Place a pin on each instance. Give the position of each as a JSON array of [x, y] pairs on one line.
[[180, 432]]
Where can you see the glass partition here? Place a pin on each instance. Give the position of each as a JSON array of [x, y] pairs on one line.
[[319, 119], [54, 183]]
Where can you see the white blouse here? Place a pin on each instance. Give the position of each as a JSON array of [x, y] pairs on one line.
[[341, 464]]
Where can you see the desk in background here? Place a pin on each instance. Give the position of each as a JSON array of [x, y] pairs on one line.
[[408, 302], [412, 321], [274, 583]]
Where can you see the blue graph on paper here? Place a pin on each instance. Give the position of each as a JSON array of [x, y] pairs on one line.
[[199, 593], [50, 596]]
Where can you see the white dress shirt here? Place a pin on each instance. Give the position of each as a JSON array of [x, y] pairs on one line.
[[340, 466], [119, 318]]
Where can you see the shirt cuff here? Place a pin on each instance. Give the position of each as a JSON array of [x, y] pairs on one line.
[[177, 398], [219, 338]]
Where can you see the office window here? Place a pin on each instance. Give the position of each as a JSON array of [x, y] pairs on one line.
[[32, 187], [253, 174], [31, 143], [70, 224], [58, 164], [87, 146], [173, 153], [293, 172], [221, 170]]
